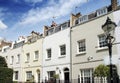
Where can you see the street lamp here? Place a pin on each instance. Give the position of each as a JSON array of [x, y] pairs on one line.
[[109, 28]]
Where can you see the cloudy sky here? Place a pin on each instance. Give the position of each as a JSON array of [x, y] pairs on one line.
[[20, 17]]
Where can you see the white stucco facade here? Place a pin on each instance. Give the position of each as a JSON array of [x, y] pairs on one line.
[[116, 15], [16, 58], [57, 62], [32, 64], [93, 55], [11, 56]]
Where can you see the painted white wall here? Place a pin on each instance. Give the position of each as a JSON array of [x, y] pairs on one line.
[[59, 71], [116, 15], [89, 31], [33, 65], [54, 41], [15, 66]]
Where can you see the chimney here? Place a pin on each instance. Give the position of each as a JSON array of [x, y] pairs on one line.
[[114, 4], [73, 17], [45, 30], [53, 24]]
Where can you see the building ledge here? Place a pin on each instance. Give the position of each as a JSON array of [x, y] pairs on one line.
[[62, 56], [48, 59], [26, 61], [81, 53], [101, 49], [35, 60]]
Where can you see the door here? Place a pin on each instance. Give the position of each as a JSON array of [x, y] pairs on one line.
[[66, 75]]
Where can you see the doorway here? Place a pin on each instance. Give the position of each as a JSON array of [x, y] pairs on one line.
[[38, 75], [66, 75]]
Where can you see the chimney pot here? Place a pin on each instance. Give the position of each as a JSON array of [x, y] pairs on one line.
[[114, 4]]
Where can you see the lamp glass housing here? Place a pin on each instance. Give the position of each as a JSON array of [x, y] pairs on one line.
[[109, 27]]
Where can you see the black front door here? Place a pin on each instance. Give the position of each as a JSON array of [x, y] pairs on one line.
[[38, 77], [66, 77]]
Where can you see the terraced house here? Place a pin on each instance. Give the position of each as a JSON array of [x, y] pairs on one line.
[[13, 56], [32, 58], [89, 42], [56, 51], [25, 57]]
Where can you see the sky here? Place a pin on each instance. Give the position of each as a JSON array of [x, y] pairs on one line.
[[20, 17]]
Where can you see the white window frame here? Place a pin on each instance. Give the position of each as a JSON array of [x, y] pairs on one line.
[[12, 60], [49, 56], [104, 46], [64, 26], [50, 76], [28, 75], [50, 31], [18, 59], [82, 19], [102, 11], [62, 52], [78, 46], [6, 57], [36, 55], [86, 73], [27, 57]]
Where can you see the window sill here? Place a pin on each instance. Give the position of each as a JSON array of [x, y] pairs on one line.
[[17, 62], [26, 61], [48, 59], [62, 56], [102, 49], [81, 53], [16, 79], [35, 60]]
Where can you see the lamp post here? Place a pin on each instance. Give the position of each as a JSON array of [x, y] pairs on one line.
[[109, 28]]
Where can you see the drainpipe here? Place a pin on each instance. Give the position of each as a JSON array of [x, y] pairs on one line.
[[70, 56], [42, 61]]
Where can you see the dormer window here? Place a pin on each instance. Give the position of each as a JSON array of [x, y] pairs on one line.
[[65, 25], [102, 11], [50, 31], [57, 29], [33, 39], [81, 19]]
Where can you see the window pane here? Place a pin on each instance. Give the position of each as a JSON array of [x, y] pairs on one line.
[[36, 54], [29, 74], [63, 50], [28, 57], [12, 59], [65, 25], [102, 41], [86, 75], [81, 46], [51, 74], [49, 53], [50, 31], [18, 58]]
